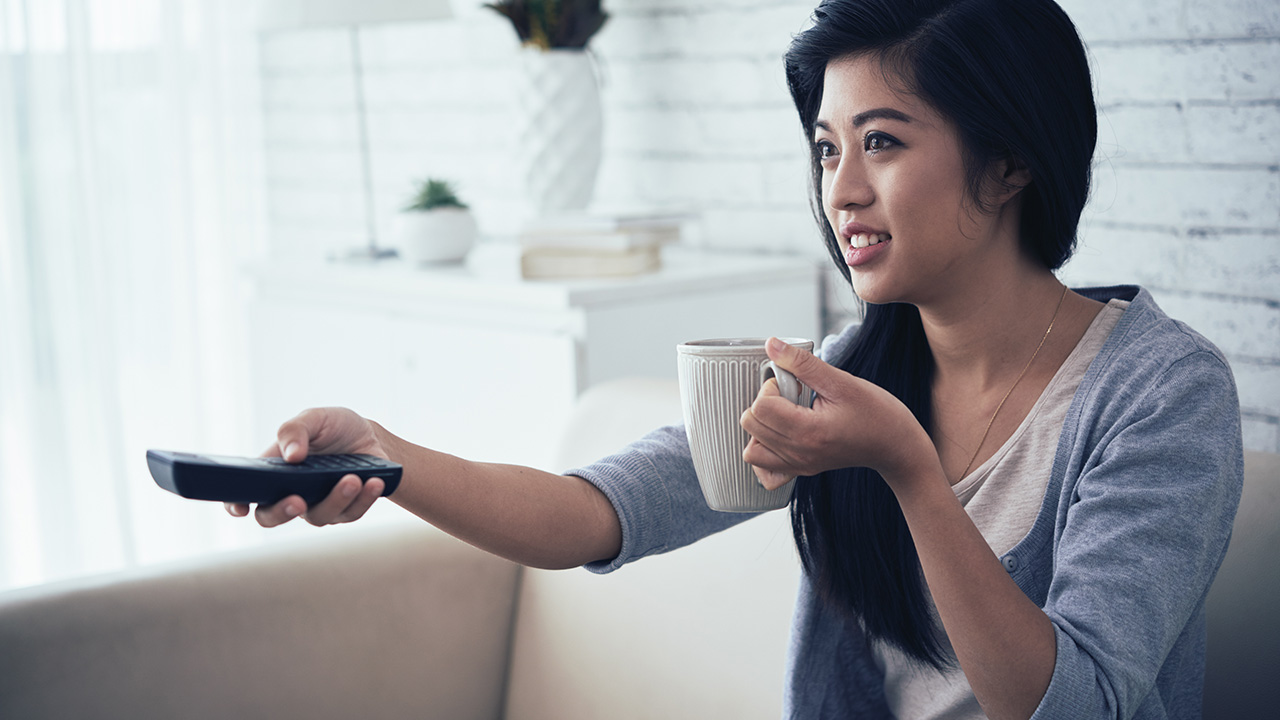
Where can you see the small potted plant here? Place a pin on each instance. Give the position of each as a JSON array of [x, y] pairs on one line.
[[435, 227]]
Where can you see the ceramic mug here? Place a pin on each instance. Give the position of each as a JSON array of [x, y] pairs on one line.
[[719, 379]]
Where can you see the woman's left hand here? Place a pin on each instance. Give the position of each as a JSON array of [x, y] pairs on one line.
[[853, 423]]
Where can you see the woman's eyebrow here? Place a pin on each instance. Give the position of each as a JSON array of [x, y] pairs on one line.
[[883, 113], [867, 116]]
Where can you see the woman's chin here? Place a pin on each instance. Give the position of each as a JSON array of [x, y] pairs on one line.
[[871, 292]]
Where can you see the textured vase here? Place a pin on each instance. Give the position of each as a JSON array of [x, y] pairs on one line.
[[561, 129]]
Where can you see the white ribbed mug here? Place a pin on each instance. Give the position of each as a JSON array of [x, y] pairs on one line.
[[719, 379]]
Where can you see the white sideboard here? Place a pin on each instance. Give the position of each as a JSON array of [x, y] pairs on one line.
[[481, 364]]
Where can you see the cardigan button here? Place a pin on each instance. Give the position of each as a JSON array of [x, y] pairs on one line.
[[1010, 562]]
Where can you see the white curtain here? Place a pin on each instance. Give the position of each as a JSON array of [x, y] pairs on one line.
[[129, 204]]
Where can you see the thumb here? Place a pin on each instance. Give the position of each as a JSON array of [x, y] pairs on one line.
[[294, 437], [807, 367]]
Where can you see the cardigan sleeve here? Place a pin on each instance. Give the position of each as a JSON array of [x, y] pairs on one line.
[[1141, 537], [654, 489]]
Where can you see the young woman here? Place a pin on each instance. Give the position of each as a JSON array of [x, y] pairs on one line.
[[1013, 496]]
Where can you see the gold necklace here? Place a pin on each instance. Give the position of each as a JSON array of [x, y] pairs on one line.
[[1014, 385]]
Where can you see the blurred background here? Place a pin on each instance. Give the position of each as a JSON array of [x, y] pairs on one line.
[[163, 163]]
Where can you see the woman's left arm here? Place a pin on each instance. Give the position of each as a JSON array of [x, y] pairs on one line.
[[1134, 554], [1003, 641]]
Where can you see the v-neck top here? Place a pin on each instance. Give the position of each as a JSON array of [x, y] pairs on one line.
[[1002, 496]]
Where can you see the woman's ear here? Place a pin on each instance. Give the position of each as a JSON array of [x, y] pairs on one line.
[[1002, 180], [1013, 177]]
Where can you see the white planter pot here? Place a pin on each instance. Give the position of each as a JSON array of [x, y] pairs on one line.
[[443, 235], [561, 129]]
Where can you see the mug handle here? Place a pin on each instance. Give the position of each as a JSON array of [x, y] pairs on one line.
[[788, 386]]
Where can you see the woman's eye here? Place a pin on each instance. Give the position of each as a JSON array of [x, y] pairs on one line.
[[826, 150], [875, 142]]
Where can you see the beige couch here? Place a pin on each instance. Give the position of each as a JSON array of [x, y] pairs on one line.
[[402, 621]]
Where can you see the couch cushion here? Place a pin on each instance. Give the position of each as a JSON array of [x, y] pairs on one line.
[[316, 630], [699, 633]]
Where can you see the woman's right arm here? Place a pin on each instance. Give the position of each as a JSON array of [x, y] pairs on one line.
[[529, 516]]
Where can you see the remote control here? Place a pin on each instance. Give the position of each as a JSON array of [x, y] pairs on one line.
[[263, 480]]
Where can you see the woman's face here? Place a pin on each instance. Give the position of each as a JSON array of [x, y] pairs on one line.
[[894, 188]]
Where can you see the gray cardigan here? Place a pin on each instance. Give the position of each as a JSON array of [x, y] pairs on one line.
[[1133, 527]]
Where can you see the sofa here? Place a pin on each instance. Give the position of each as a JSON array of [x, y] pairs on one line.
[[399, 620]]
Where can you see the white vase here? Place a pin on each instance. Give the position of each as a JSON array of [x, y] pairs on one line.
[[561, 129], [443, 235]]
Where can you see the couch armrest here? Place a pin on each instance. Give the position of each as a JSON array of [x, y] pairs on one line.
[[397, 622], [1242, 658]]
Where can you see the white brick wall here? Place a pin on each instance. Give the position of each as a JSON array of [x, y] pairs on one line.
[[1187, 191], [1187, 181]]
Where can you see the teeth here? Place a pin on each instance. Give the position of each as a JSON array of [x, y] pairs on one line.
[[864, 240]]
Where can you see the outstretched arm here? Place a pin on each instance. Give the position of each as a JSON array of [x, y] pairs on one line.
[[526, 515]]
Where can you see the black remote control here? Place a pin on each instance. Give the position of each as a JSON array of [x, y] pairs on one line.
[[263, 480]]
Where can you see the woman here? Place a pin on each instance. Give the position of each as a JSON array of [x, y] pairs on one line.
[[1014, 496]]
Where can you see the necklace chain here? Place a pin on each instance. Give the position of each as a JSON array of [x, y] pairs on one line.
[[1014, 385]]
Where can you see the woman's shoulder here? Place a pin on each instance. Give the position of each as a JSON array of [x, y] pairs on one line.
[[1156, 373], [1146, 338]]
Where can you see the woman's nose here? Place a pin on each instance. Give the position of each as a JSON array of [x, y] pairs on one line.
[[848, 186]]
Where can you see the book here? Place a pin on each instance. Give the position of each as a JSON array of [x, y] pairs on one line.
[[604, 221], [561, 263]]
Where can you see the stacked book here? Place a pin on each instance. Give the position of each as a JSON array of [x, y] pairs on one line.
[[596, 244]]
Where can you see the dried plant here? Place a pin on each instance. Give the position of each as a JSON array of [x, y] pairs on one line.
[[547, 24]]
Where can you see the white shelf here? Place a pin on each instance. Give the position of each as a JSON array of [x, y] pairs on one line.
[[683, 271], [455, 357]]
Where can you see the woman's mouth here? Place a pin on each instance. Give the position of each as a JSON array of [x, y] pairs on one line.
[[863, 247]]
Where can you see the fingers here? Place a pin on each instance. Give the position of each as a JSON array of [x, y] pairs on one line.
[[369, 493], [773, 418], [282, 512], [348, 501], [781, 435], [761, 458], [770, 480]]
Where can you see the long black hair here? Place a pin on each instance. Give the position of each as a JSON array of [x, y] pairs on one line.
[[1013, 78]]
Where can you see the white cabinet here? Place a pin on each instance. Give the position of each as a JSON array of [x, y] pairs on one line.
[[484, 365]]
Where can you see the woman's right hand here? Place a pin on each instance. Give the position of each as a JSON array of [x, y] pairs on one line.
[[323, 431]]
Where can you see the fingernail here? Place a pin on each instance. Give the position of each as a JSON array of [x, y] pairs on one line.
[[290, 449], [291, 510], [776, 345]]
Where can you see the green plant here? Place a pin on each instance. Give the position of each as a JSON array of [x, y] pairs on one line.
[[547, 24], [434, 194]]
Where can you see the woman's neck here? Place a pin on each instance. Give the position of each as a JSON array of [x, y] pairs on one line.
[[982, 333]]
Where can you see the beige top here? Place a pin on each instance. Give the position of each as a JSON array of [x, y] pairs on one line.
[[1002, 496]]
